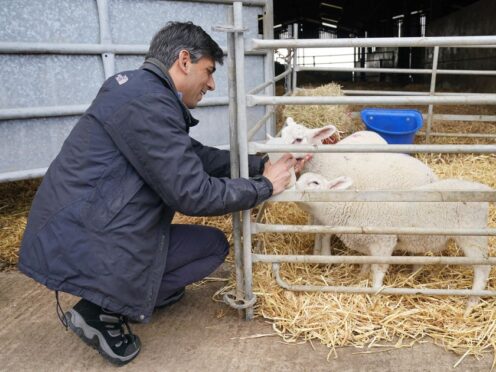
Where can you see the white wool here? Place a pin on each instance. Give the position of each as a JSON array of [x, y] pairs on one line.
[[369, 171], [451, 215]]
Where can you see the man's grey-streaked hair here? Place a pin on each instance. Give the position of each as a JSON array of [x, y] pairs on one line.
[[176, 36]]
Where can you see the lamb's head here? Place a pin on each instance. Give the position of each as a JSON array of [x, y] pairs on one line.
[[315, 181], [294, 133]]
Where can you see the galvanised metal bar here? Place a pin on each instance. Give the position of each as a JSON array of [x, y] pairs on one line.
[[40, 112], [399, 70], [260, 123], [245, 2], [72, 48], [432, 90], [294, 60], [84, 49], [69, 110], [451, 41], [464, 117], [234, 153], [258, 88], [22, 175], [482, 99], [258, 228], [462, 135], [363, 260], [108, 59], [382, 290], [386, 196], [268, 33], [243, 150], [407, 149], [400, 93]]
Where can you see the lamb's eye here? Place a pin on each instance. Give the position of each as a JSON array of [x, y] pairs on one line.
[[314, 183], [298, 140]]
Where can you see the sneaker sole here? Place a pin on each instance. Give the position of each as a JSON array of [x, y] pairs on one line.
[[95, 339]]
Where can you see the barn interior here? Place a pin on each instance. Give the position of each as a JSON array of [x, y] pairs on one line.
[[389, 18]]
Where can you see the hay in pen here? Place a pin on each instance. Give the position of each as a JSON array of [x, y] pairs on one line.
[[369, 322]]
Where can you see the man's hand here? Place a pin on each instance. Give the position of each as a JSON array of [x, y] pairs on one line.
[[278, 173], [300, 163]]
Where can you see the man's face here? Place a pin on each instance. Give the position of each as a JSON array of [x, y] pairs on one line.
[[198, 81]]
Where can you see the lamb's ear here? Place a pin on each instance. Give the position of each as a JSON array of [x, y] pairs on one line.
[[290, 121], [340, 183], [269, 137], [320, 134]]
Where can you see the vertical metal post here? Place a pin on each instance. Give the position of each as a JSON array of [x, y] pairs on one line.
[[432, 90], [295, 59], [233, 141], [268, 33], [239, 47], [108, 59]]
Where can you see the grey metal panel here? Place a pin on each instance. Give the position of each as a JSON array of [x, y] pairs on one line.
[[43, 80], [48, 80], [69, 21], [136, 21], [31, 144]]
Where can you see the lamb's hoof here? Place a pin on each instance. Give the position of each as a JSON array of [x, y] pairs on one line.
[[472, 302], [364, 271], [416, 269]]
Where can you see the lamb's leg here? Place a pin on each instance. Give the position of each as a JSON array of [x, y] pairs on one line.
[[381, 248], [475, 246], [364, 271], [317, 245], [325, 244]]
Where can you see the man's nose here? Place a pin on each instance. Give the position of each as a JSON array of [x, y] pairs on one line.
[[211, 83]]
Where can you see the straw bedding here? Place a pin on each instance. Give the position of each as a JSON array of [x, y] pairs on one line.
[[365, 321]]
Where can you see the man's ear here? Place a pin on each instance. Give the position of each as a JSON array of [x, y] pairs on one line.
[[184, 61]]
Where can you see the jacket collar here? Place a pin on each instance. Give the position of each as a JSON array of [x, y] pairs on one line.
[[159, 69]]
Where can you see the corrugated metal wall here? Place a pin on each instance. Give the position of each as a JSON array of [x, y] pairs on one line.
[[40, 80]]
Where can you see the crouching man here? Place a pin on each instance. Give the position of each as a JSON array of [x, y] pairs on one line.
[[100, 224]]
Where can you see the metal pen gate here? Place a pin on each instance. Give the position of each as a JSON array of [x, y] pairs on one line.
[[243, 297]]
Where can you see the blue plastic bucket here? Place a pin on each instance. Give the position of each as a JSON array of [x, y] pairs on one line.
[[396, 126]]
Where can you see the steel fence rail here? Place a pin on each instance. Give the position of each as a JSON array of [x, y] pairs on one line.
[[382, 290], [7, 47], [476, 99], [348, 92], [262, 86], [259, 124], [258, 228], [397, 70], [451, 41], [70, 110], [460, 135], [364, 260], [449, 149], [386, 196]]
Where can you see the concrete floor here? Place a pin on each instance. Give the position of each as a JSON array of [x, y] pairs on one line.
[[188, 336]]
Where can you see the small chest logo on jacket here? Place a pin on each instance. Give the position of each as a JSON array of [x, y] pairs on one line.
[[121, 79]]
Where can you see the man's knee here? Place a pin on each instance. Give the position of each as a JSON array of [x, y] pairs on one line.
[[220, 243]]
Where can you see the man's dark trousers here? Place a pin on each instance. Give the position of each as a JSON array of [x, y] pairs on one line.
[[195, 251]]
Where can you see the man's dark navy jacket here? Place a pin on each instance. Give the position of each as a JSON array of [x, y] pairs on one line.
[[99, 224]]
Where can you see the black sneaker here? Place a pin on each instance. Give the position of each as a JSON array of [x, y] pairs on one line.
[[104, 331], [172, 299]]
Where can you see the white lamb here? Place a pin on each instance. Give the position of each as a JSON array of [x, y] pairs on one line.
[[452, 215], [369, 171]]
